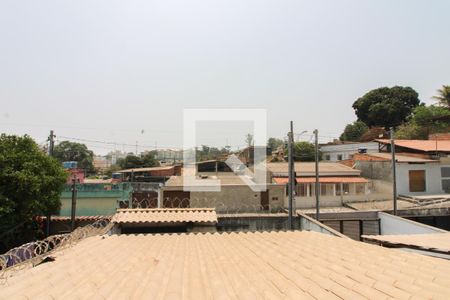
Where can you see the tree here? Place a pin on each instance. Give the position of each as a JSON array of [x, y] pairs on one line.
[[410, 131], [130, 161], [304, 151], [148, 159], [443, 97], [386, 107], [30, 185], [425, 121], [112, 169], [70, 151], [249, 139], [274, 143], [354, 131]]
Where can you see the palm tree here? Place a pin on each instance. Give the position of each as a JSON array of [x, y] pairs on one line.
[[443, 96]]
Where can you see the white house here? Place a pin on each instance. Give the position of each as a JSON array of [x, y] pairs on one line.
[[346, 151], [415, 176]]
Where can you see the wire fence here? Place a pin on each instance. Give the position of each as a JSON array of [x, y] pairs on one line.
[[231, 207], [33, 253]]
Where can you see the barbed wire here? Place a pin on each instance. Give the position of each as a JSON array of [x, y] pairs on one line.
[[33, 253], [221, 207]]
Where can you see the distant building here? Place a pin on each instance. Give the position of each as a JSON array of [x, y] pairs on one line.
[[338, 152], [415, 175], [169, 155], [234, 195], [338, 183], [101, 163]]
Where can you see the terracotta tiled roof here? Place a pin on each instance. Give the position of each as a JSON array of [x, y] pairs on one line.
[[421, 145], [308, 169], [283, 180], [165, 215], [402, 158], [437, 242], [270, 265]]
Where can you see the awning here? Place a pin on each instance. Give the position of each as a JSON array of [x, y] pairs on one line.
[[284, 180]]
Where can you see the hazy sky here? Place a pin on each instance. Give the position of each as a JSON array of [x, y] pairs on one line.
[[123, 71]]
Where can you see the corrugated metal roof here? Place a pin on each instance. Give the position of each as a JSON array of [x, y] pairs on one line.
[[284, 180], [308, 169], [270, 265], [165, 215], [421, 145], [437, 242]]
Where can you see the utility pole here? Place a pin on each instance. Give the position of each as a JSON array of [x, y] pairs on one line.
[[74, 203], [394, 176], [317, 190], [291, 173], [136, 148], [51, 142], [51, 146]]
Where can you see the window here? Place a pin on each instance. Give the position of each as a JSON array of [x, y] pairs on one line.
[[302, 190], [339, 157], [327, 157], [346, 188], [326, 189], [445, 172], [417, 181]]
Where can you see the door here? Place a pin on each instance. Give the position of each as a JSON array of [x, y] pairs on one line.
[[265, 200], [417, 181]]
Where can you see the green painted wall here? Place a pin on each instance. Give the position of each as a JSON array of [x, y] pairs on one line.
[[94, 199]]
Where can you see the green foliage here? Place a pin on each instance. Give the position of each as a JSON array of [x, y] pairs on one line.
[[274, 143], [69, 151], [30, 185], [410, 131], [249, 139], [424, 121], [354, 131], [386, 107], [443, 96], [304, 151], [208, 153], [112, 169], [132, 161]]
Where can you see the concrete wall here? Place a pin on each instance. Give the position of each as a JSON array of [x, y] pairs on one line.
[[257, 223], [89, 206], [390, 224], [379, 190], [238, 198], [309, 224]]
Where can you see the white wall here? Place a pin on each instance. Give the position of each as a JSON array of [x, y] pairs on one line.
[[433, 179], [390, 224], [346, 150]]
